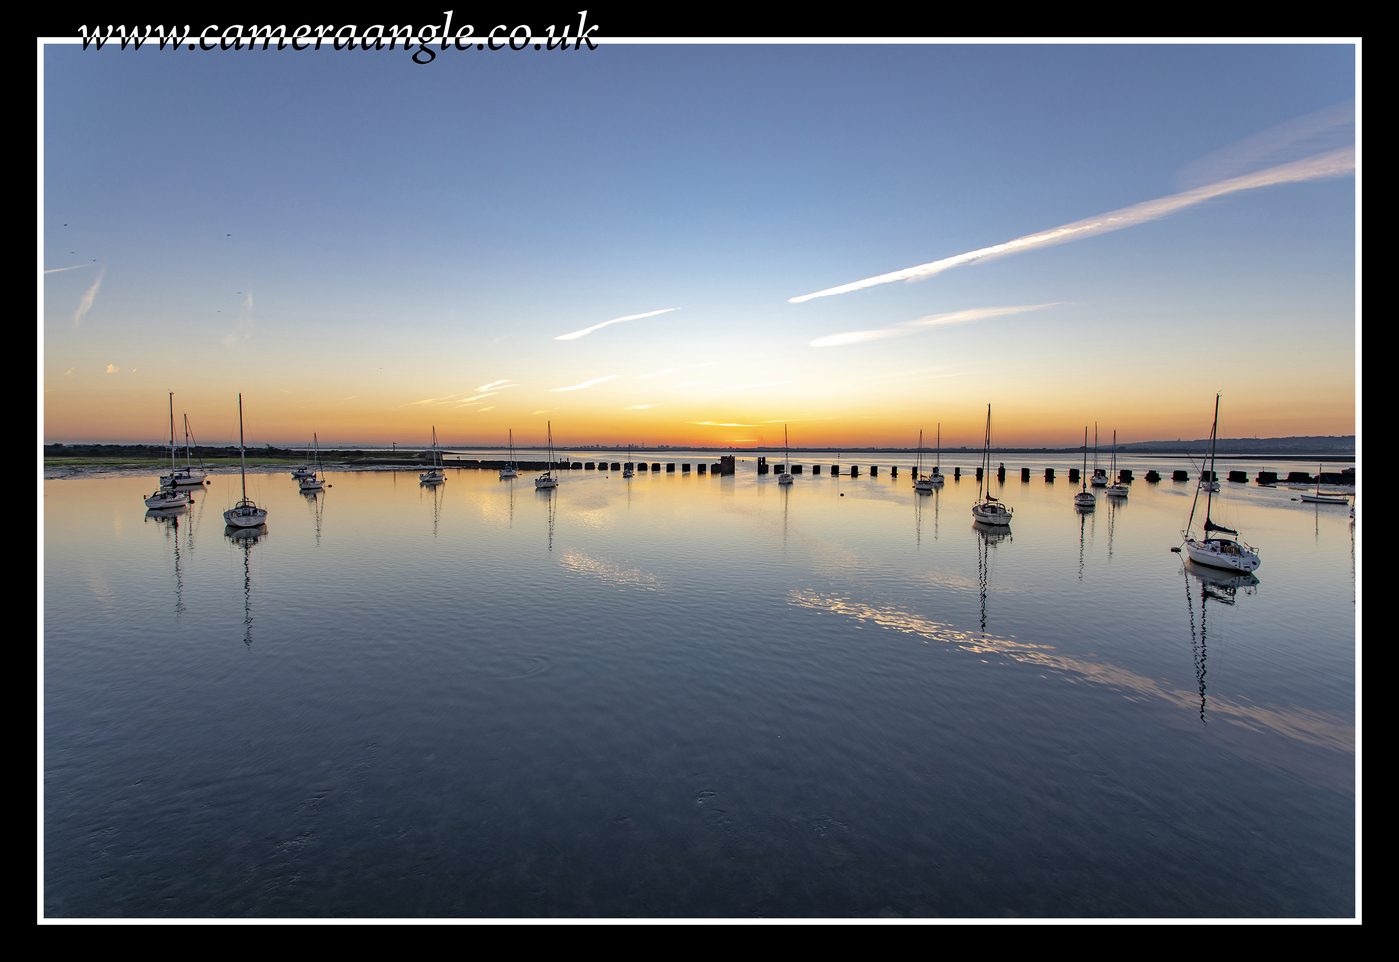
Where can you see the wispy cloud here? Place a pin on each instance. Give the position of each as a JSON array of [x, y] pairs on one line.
[[1306, 136], [596, 380], [744, 387], [240, 331], [721, 424], [111, 369], [638, 407], [429, 400], [615, 320], [55, 270], [86, 303], [671, 370], [1333, 163], [500, 385], [932, 320]]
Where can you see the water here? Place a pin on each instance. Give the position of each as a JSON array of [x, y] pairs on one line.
[[691, 696]]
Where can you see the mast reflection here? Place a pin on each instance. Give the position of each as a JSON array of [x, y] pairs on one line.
[[439, 492], [245, 538], [988, 536], [548, 495], [1222, 586], [169, 520], [314, 500]]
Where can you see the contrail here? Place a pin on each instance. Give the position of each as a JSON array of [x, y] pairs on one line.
[[615, 320], [86, 303], [932, 320], [1333, 163]]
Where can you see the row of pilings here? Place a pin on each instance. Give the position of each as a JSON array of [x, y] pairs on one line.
[[1124, 475]]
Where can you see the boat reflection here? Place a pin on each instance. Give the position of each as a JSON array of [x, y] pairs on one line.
[[245, 538], [439, 493], [547, 493], [933, 495], [1218, 585], [1082, 532], [169, 520], [315, 500], [988, 537]]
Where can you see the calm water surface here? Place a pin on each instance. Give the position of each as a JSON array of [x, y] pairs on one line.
[[689, 696]]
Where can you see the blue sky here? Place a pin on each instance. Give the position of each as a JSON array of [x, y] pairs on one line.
[[360, 243]]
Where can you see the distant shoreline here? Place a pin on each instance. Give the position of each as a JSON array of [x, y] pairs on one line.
[[57, 455]]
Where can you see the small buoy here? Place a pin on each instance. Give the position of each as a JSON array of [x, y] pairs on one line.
[[842, 494], [1176, 550]]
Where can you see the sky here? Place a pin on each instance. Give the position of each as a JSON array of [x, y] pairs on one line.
[[700, 244]]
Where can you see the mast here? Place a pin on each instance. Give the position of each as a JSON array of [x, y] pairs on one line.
[[242, 456], [919, 473], [1209, 491], [983, 482], [938, 468], [1083, 477], [172, 437]]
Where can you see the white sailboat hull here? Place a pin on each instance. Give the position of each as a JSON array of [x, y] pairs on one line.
[[166, 498], [1222, 553], [508, 473], [990, 513], [545, 482], [784, 478], [1118, 490], [1085, 500], [183, 479], [311, 484], [245, 516], [1324, 499]]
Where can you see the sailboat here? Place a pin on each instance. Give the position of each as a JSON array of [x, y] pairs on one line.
[[1320, 498], [509, 471], [547, 479], [786, 476], [1085, 499], [186, 477], [166, 494], [936, 477], [1100, 479], [317, 479], [921, 482], [628, 470], [305, 471], [244, 514], [434, 476], [1118, 489], [1214, 549], [988, 510]]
